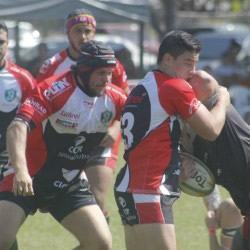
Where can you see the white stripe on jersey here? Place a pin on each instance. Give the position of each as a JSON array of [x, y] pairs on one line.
[[123, 186], [64, 66], [146, 198], [158, 114]]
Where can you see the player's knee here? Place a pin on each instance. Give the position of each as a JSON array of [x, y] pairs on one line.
[[228, 208], [104, 243]]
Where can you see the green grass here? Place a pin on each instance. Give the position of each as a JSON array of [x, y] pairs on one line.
[[42, 232]]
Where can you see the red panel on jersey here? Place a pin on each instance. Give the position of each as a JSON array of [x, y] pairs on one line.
[[149, 160], [176, 96]]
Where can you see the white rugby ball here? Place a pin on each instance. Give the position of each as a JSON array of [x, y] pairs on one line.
[[201, 181]]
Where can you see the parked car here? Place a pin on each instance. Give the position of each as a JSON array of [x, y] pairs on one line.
[[215, 27], [215, 44]]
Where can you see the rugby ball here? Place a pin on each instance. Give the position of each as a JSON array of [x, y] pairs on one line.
[[200, 181]]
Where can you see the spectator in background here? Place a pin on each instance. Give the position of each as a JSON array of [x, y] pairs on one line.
[[16, 84], [42, 54], [80, 27], [232, 74], [229, 72], [240, 96]]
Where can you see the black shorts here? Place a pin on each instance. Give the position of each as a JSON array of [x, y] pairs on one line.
[[58, 205]]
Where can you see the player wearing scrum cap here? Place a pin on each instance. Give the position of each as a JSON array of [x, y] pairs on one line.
[[80, 27], [59, 131]]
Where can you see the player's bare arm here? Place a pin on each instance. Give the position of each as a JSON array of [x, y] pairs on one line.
[[16, 145], [209, 124], [111, 135]]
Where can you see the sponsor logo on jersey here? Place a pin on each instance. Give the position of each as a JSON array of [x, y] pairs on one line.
[[70, 115], [75, 152], [69, 175], [106, 117], [10, 95], [126, 210], [36, 105], [56, 88], [88, 104], [59, 184], [77, 148], [66, 124], [122, 202]]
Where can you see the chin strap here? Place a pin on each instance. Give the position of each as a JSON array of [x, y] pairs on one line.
[[82, 82]]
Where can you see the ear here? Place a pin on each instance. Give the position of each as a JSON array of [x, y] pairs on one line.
[[167, 59]]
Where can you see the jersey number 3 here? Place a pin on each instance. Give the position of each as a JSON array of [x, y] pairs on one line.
[[127, 123]]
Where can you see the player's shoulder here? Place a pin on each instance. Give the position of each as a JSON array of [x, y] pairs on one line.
[[19, 71], [58, 85], [113, 89], [53, 61]]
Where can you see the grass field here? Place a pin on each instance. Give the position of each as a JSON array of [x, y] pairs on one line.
[[42, 232]]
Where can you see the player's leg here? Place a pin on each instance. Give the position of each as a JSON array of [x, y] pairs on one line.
[[229, 220], [100, 179], [150, 236], [100, 171], [79, 213], [11, 218], [89, 226]]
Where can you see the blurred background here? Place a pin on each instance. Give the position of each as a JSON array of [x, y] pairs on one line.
[[134, 31]]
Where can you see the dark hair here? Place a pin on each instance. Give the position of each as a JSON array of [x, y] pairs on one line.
[[3, 27], [78, 12], [176, 43], [95, 54]]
